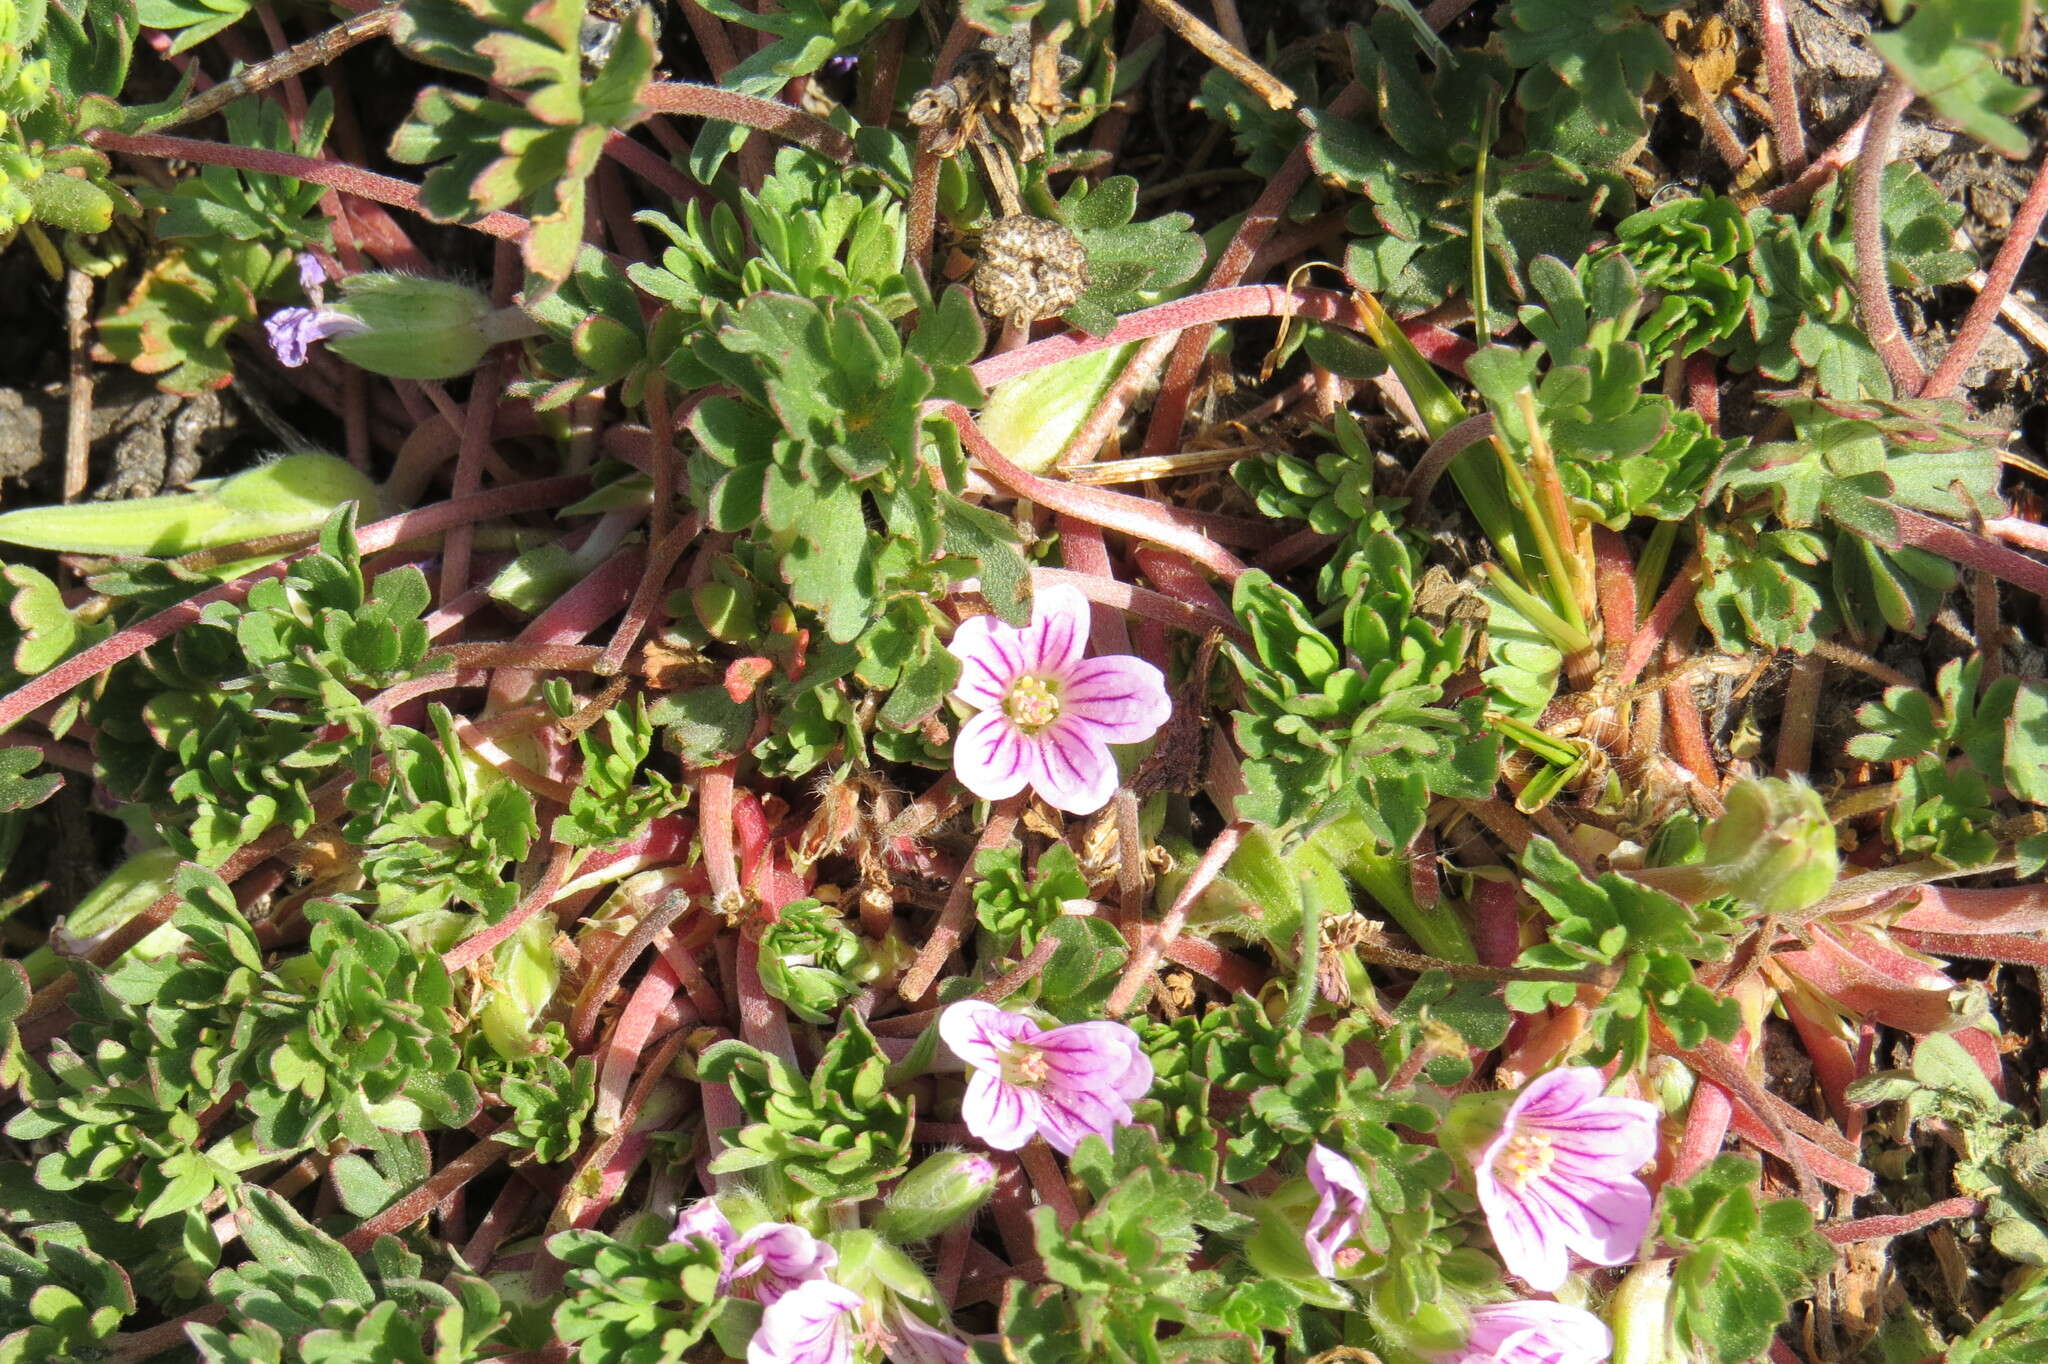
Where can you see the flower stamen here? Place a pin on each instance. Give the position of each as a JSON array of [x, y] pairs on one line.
[[1033, 703], [1529, 1155]]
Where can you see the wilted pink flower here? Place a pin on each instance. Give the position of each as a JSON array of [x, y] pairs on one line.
[[1059, 1083], [1533, 1332], [910, 1339], [1340, 1199], [766, 1261], [293, 330], [810, 1324], [1048, 715], [1560, 1176]]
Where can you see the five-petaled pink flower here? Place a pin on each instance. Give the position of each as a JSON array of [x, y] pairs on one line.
[[1560, 1176], [292, 331], [767, 1261], [1533, 1332], [1059, 1083], [1048, 715], [810, 1324], [1340, 1202]]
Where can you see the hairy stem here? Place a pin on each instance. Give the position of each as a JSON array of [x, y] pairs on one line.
[[1874, 303]]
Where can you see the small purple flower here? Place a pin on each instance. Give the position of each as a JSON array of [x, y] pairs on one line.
[[766, 1262], [1340, 1200], [808, 1325], [1560, 1177], [293, 330], [910, 1339], [1059, 1083], [1047, 716], [1533, 1332]]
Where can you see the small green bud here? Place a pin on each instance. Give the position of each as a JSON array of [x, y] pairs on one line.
[[942, 1192], [421, 328], [1428, 1328], [524, 974], [1775, 846], [872, 1267]]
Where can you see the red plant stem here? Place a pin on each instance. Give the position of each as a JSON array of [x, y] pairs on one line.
[[655, 170], [1294, 551], [382, 189], [629, 1039], [1874, 303], [1196, 310], [472, 949], [1049, 1183], [653, 582], [1113, 511], [1792, 197], [1786, 129], [721, 867], [1614, 582], [1662, 617], [2019, 532], [469, 474], [1703, 389], [371, 539], [1140, 601], [1445, 448], [1144, 961], [953, 916], [673, 903], [1685, 732], [2005, 268], [2015, 949], [1179, 580], [1899, 1224], [749, 111], [1234, 973], [1175, 390], [1796, 724], [423, 1199], [1971, 550], [131, 1347], [924, 172], [490, 1233]]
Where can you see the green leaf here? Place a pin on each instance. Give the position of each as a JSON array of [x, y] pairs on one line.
[[1948, 51], [1743, 1263]]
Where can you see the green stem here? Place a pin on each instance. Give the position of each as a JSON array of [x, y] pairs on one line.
[[1303, 997], [1385, 877]]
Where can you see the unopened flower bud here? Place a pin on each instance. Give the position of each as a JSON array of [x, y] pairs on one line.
[[942, 1192], [524, 974], [420, 328], [1775, 847]]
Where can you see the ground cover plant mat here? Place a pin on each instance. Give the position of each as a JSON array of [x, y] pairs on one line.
[[1023, 682]]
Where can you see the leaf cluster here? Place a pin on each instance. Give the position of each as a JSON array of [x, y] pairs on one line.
[[1834, 492], [612, 800], [1130, 264], [1015, 909], [1354, 724], [1650, 938], [811, 961], [1123, 1272], [629, 1303], [1742, 1260], [838, 1135], [1425, 160], [489, 153]]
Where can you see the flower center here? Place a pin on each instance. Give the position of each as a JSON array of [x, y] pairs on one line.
[[1529, 1155], [1033, 703], [1024, 1064]]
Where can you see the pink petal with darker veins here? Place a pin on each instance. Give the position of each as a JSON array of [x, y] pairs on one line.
[[1123, 699], [980, 1034], [992, 758], [1004, 1115], [1058, 634], [1072, 768]]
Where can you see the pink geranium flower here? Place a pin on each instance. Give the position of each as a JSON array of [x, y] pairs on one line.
[[1059, 1083], [1560, 1176], [1047, 716], [1533, 1332], [810, 1324], [1340, 1202], [767, 1261]]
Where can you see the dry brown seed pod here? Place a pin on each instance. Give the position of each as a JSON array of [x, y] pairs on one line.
[[1031, 268]]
